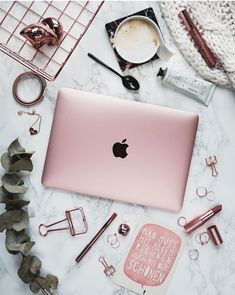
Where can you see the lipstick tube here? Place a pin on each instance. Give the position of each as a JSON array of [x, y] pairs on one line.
[[201, 219], [203, 48]]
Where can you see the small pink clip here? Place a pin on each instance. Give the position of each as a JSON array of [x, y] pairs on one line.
[[109, 270], [77, 226], [211, 162]]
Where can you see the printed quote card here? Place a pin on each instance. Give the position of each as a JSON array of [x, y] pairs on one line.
[[150, 260]]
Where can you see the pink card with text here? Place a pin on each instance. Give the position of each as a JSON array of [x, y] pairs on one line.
[[149, 263]]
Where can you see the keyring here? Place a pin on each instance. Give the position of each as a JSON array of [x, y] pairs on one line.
[[193, 254], [28, 75], [181, 221]]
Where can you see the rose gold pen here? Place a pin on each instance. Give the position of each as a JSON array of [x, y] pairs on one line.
[[96, 237], [201, 219]]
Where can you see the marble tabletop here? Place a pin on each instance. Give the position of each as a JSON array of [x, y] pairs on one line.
[[214, 271]]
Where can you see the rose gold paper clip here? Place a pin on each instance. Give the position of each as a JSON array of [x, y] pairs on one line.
[[76, 223], [109, 270], [211, 162]]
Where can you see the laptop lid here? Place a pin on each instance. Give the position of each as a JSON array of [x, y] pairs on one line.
[[119, 149]]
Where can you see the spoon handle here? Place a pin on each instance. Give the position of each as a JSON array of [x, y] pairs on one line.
[[103, 64]]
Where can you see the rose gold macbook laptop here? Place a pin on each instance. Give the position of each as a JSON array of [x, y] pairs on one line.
[[119, 149]]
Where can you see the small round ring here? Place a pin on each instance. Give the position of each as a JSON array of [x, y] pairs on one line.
[[202, 238], [210, 196], [197, 238], [181, 221], [126, 217], [206, 238], [27, 75], [115, 245], [193, 254], [201, 191]]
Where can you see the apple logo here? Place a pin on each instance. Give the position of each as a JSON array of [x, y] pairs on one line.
[[119, 149]]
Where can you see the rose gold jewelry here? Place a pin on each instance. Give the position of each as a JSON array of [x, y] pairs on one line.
[[113, 241], [193, 254], [202, 192], [123, 229], [181, 221], [32, 130], [210, 196], [202, 238], [211, 162], [28, 75], [126, 217]]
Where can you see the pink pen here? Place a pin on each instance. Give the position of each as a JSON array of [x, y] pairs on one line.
[[201, 219]]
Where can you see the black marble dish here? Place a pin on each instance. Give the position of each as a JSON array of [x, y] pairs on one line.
[[111, 29]]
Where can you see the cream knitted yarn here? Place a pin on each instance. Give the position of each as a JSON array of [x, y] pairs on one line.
[[216, 22]]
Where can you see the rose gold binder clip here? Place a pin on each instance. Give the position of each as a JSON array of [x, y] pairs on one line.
[[211, 162], [76, 223], [109, 270]]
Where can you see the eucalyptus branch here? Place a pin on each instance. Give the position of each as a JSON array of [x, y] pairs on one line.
[[15, 219]]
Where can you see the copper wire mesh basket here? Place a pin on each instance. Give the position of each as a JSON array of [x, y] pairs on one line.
[[75, 16]]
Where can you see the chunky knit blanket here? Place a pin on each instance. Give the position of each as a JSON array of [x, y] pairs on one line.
[[216, 22]]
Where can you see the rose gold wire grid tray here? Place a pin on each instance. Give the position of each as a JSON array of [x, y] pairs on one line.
[[75, 16]]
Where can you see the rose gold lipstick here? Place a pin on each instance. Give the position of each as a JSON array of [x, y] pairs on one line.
[[201, 219]]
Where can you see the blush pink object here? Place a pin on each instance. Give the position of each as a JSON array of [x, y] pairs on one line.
[[80, 158], [152, 255]]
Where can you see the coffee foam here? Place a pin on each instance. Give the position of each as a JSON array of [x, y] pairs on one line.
[[136, 39]]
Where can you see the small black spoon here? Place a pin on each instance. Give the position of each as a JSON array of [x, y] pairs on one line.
[[128, 81]]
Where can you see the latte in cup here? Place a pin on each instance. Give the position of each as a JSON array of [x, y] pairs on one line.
[[136, 39]]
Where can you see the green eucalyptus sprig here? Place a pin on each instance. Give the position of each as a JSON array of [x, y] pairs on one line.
[[15, 219]]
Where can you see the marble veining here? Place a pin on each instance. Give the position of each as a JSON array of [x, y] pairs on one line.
[[214, 272]]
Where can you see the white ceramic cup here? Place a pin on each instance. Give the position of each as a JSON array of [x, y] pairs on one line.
[[137, 39]]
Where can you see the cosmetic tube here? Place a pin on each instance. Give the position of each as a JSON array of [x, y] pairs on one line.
[[204, 50], [201, 219], [196, 88]]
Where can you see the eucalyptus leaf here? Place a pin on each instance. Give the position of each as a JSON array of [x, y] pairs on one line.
[[6, 161], [9, 218], [35, 265], [17, 162], [18, 242], [21, 155], [15, 147], [3, 195], [12, 183], [37, 284], [23, 164], [52, 281], [29, 268], [15, 203], [22, 223]]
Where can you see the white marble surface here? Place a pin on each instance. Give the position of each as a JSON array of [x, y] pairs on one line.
[[214, 272]]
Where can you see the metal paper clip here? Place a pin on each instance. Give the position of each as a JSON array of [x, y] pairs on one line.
[[211, 162], [77, 226], [109, 270]]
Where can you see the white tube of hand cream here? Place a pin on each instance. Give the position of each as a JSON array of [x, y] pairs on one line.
[[196, 88]]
